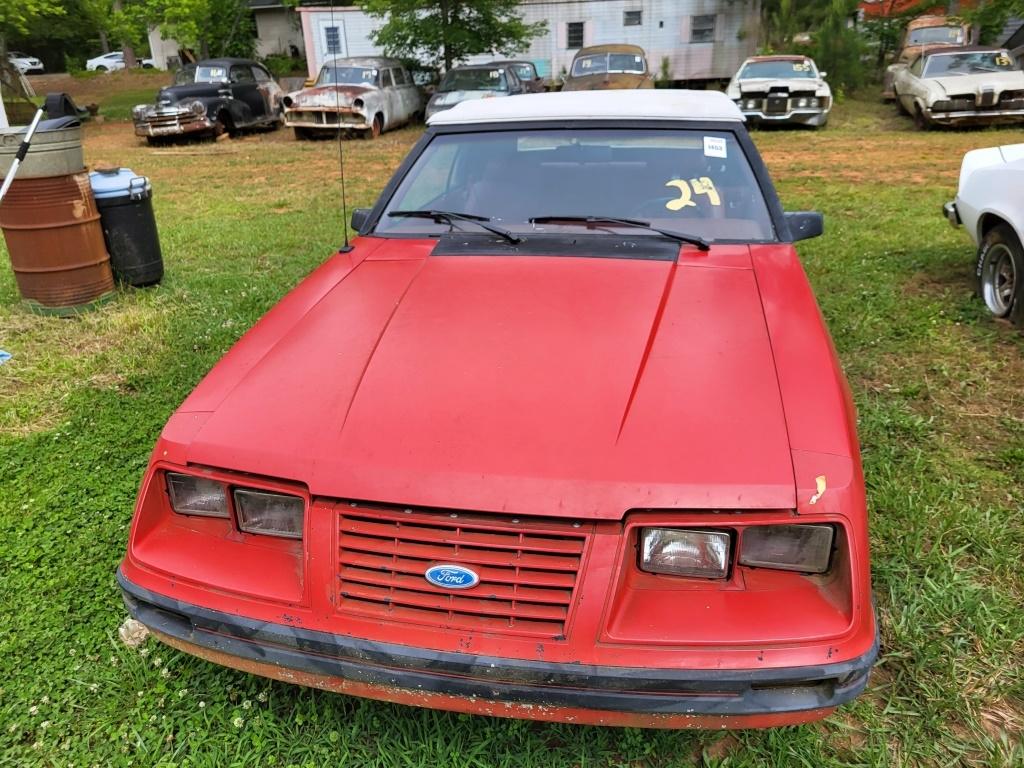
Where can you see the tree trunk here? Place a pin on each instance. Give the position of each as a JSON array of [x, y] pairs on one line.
[[104, 42], [445, 21], [130, 59]]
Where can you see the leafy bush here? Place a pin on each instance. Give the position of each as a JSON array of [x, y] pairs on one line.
[[281, 65]]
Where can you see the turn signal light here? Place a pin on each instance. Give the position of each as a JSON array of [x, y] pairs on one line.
[[803, 548]]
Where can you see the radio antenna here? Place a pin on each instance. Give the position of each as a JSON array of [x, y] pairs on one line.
[[341, 152]]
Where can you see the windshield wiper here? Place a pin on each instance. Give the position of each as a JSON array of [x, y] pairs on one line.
[[450, 217], [681, 237]]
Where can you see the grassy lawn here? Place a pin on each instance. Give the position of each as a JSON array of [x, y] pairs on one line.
[[939, 386]]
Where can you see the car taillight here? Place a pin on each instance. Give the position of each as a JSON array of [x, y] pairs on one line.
[[682, 552], [269, 514], [192, 495], [804, 548]]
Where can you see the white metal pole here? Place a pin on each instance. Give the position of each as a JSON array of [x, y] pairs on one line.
[[20, 154]]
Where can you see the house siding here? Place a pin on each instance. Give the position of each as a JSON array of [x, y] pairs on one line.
[[664, 33]]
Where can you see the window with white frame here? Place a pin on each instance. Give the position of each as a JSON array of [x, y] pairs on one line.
[[702, 29], [332, 40]]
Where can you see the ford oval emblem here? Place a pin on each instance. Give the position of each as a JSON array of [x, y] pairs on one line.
[[448, 576]]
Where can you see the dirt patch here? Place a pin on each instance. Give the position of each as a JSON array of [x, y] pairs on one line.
[[99, 87]]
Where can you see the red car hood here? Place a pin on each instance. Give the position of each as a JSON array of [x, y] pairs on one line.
[[535, 385]]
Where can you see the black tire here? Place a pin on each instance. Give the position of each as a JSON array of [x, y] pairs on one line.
[[920, 121], [101, 68], [899, 106], [1000, 273]]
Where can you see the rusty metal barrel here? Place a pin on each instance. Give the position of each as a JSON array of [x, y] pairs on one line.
[[51, 224]]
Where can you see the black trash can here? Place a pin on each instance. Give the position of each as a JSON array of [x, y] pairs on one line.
[[125, 203]]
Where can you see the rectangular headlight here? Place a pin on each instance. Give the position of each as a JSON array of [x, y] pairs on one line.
[[270, 514], [682, 552], [804, 548], [191, 495]]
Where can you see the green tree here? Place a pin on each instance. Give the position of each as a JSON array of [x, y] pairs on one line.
[[16, 17], [210, 27], [449, 31]]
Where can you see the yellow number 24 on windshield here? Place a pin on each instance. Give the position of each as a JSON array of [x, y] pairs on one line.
[[701, 186]]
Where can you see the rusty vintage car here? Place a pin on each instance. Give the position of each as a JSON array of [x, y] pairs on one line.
[[924, 32], [212, 97], [365, 95], [971, 85], [526, 71], [609, 67], [786, 90]]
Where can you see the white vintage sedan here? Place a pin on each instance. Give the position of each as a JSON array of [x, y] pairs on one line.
[[972, 85], [990, 206], [366, 95], [781, 89]]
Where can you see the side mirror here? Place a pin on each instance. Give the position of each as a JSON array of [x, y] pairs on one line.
[[823, 75], [360, 216], [804, 225]]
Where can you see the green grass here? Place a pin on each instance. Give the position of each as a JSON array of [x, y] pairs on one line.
[[937, 382]]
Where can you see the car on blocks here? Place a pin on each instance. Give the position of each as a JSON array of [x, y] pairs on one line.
[[561, 436]]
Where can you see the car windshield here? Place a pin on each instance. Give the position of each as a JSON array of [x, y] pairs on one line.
[[474, 80], [775, 70], [936, 35], [525, 72], [971, 63], [613, 63], [343, 75], [202, 74], [696, 182]]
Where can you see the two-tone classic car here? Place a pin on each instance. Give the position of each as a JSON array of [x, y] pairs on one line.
[[990, 205], [786, 90], [212, 97], [972, 85], [924, 32], [561, 435], [609, 67], [364, 95], [474, 81]]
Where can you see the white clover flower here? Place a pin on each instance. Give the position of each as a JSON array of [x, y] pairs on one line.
[[261, 696], [157, 661], [238, 722], [33, 710], [247, 704], [165, 672], [182, 692], [202, 705]]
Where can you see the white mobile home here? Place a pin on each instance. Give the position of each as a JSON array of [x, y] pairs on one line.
[[697, 39]]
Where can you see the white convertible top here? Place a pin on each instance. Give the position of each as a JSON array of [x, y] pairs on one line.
[[638, 105]]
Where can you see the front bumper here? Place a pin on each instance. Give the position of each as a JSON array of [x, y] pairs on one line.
[[327, 119], [807, 116], [977, 117], [506, 687], [951, 213], [173, 124]]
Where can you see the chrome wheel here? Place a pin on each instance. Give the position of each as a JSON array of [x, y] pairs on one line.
[[999, 280]]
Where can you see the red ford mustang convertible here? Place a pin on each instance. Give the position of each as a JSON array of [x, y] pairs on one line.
[[563, 436]]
